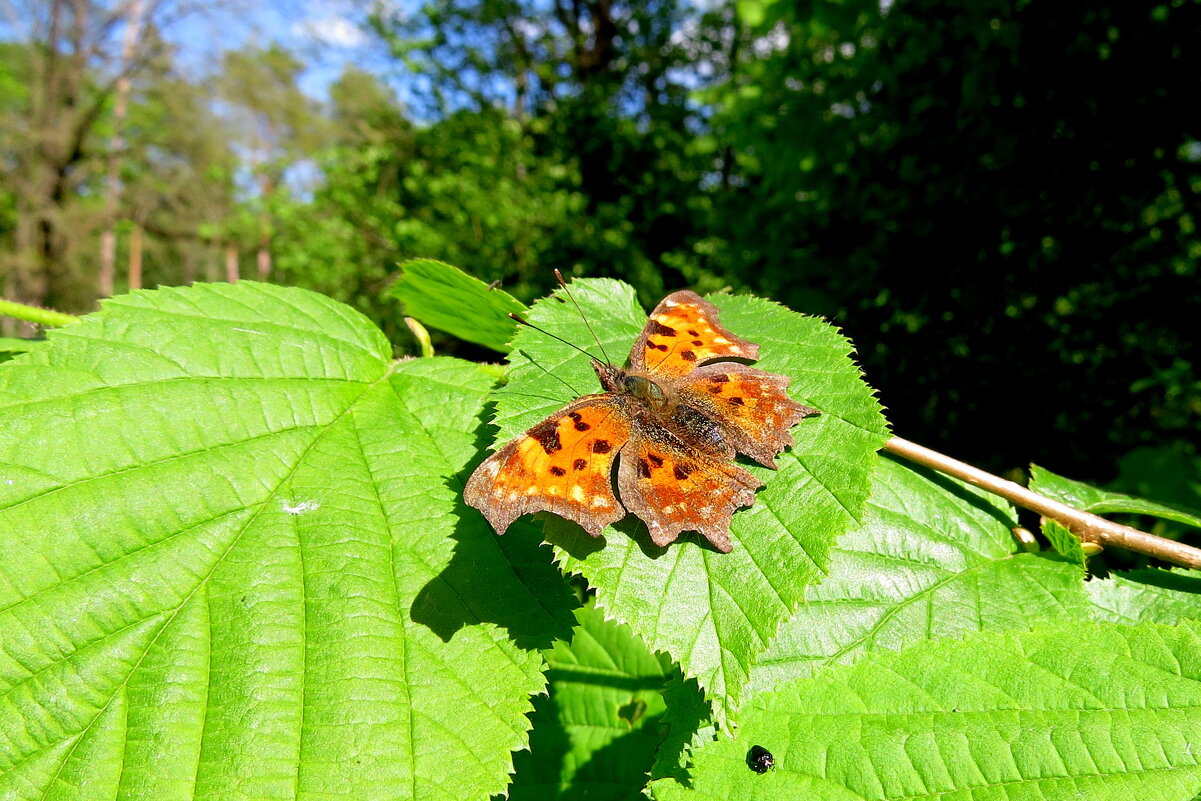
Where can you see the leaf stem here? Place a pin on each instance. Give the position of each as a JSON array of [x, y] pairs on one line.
[[1085, 525], [35, 314]]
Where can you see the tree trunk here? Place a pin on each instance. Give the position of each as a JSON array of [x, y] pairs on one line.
[[263, 258], [231, 264], [135, 258], [108, 240]]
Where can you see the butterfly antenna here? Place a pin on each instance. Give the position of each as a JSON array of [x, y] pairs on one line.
[[524, 321], [563, 284]]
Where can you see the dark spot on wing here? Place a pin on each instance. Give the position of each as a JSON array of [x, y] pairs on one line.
[[720, 378], [656, 346], [657, 329], [697, 342], [579, 464], [656, 460], [644, 469], [737, 402], [601, 446], [682, 471], [578, 419], [547, 435], [558, 471], [692, 333], [688, 355]]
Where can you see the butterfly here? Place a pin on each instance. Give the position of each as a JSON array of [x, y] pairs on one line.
[[672, 422]]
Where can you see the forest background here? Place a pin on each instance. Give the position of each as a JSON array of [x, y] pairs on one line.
[[996, 200]]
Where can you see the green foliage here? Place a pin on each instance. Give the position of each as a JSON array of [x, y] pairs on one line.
[[934, 559], [11, 346], [446, 298], [782, 543], [1064, 542], [1045, 714], [1170, 475], [273, 577], [959, 179], [689, 723], [272, 587], [1152, 596], [1098, 501], [597, 732]]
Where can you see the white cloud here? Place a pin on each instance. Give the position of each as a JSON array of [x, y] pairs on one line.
[[336, 31]]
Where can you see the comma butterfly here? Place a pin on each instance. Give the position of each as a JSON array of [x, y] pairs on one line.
[[673, 421]]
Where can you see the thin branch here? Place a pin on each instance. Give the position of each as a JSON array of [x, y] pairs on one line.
[[35, 314], [1088, 527]]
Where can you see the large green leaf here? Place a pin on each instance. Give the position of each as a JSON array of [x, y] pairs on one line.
[[446, 298], [235, 563], [1156, 596], [596, 734], [712, 612], [1099, 501], [936, 558], [1096, 711]]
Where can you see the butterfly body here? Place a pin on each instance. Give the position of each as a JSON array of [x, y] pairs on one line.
[[654, 407], [677, 417]]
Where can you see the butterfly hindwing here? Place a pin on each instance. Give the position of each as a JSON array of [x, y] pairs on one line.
[[674, 490], [751, 406], [562, 465], [683, 332]]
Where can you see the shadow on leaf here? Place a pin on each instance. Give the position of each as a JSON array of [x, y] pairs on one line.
[[508, 581]]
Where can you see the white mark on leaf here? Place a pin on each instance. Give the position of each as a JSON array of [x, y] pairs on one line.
[[299, 508]]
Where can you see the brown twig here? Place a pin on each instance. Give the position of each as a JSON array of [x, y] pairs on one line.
[[1085, 525]]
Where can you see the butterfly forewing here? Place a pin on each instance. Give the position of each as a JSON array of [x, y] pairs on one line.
[[681, 334], [562, 465]]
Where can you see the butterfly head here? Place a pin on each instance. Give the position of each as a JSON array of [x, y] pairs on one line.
[[614, 379]]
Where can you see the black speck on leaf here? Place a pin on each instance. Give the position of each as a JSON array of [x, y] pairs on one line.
[[759, 759]]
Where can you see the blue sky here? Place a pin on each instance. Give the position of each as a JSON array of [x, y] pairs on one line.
[[326, 35]]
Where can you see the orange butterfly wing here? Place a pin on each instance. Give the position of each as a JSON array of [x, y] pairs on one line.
[[751, 406], [675, 490], [683, 332], [562, 465]]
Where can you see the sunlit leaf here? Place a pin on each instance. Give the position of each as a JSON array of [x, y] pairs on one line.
[[1154, 596], [1099, 501], [596, 734], [1097, 711], [712, 612], [936, 558], [235, 563], [446, 298]]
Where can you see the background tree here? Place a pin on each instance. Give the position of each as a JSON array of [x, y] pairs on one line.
[[68, 65], [958, 185], [274, 123], [601, 89], [997, 200]]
